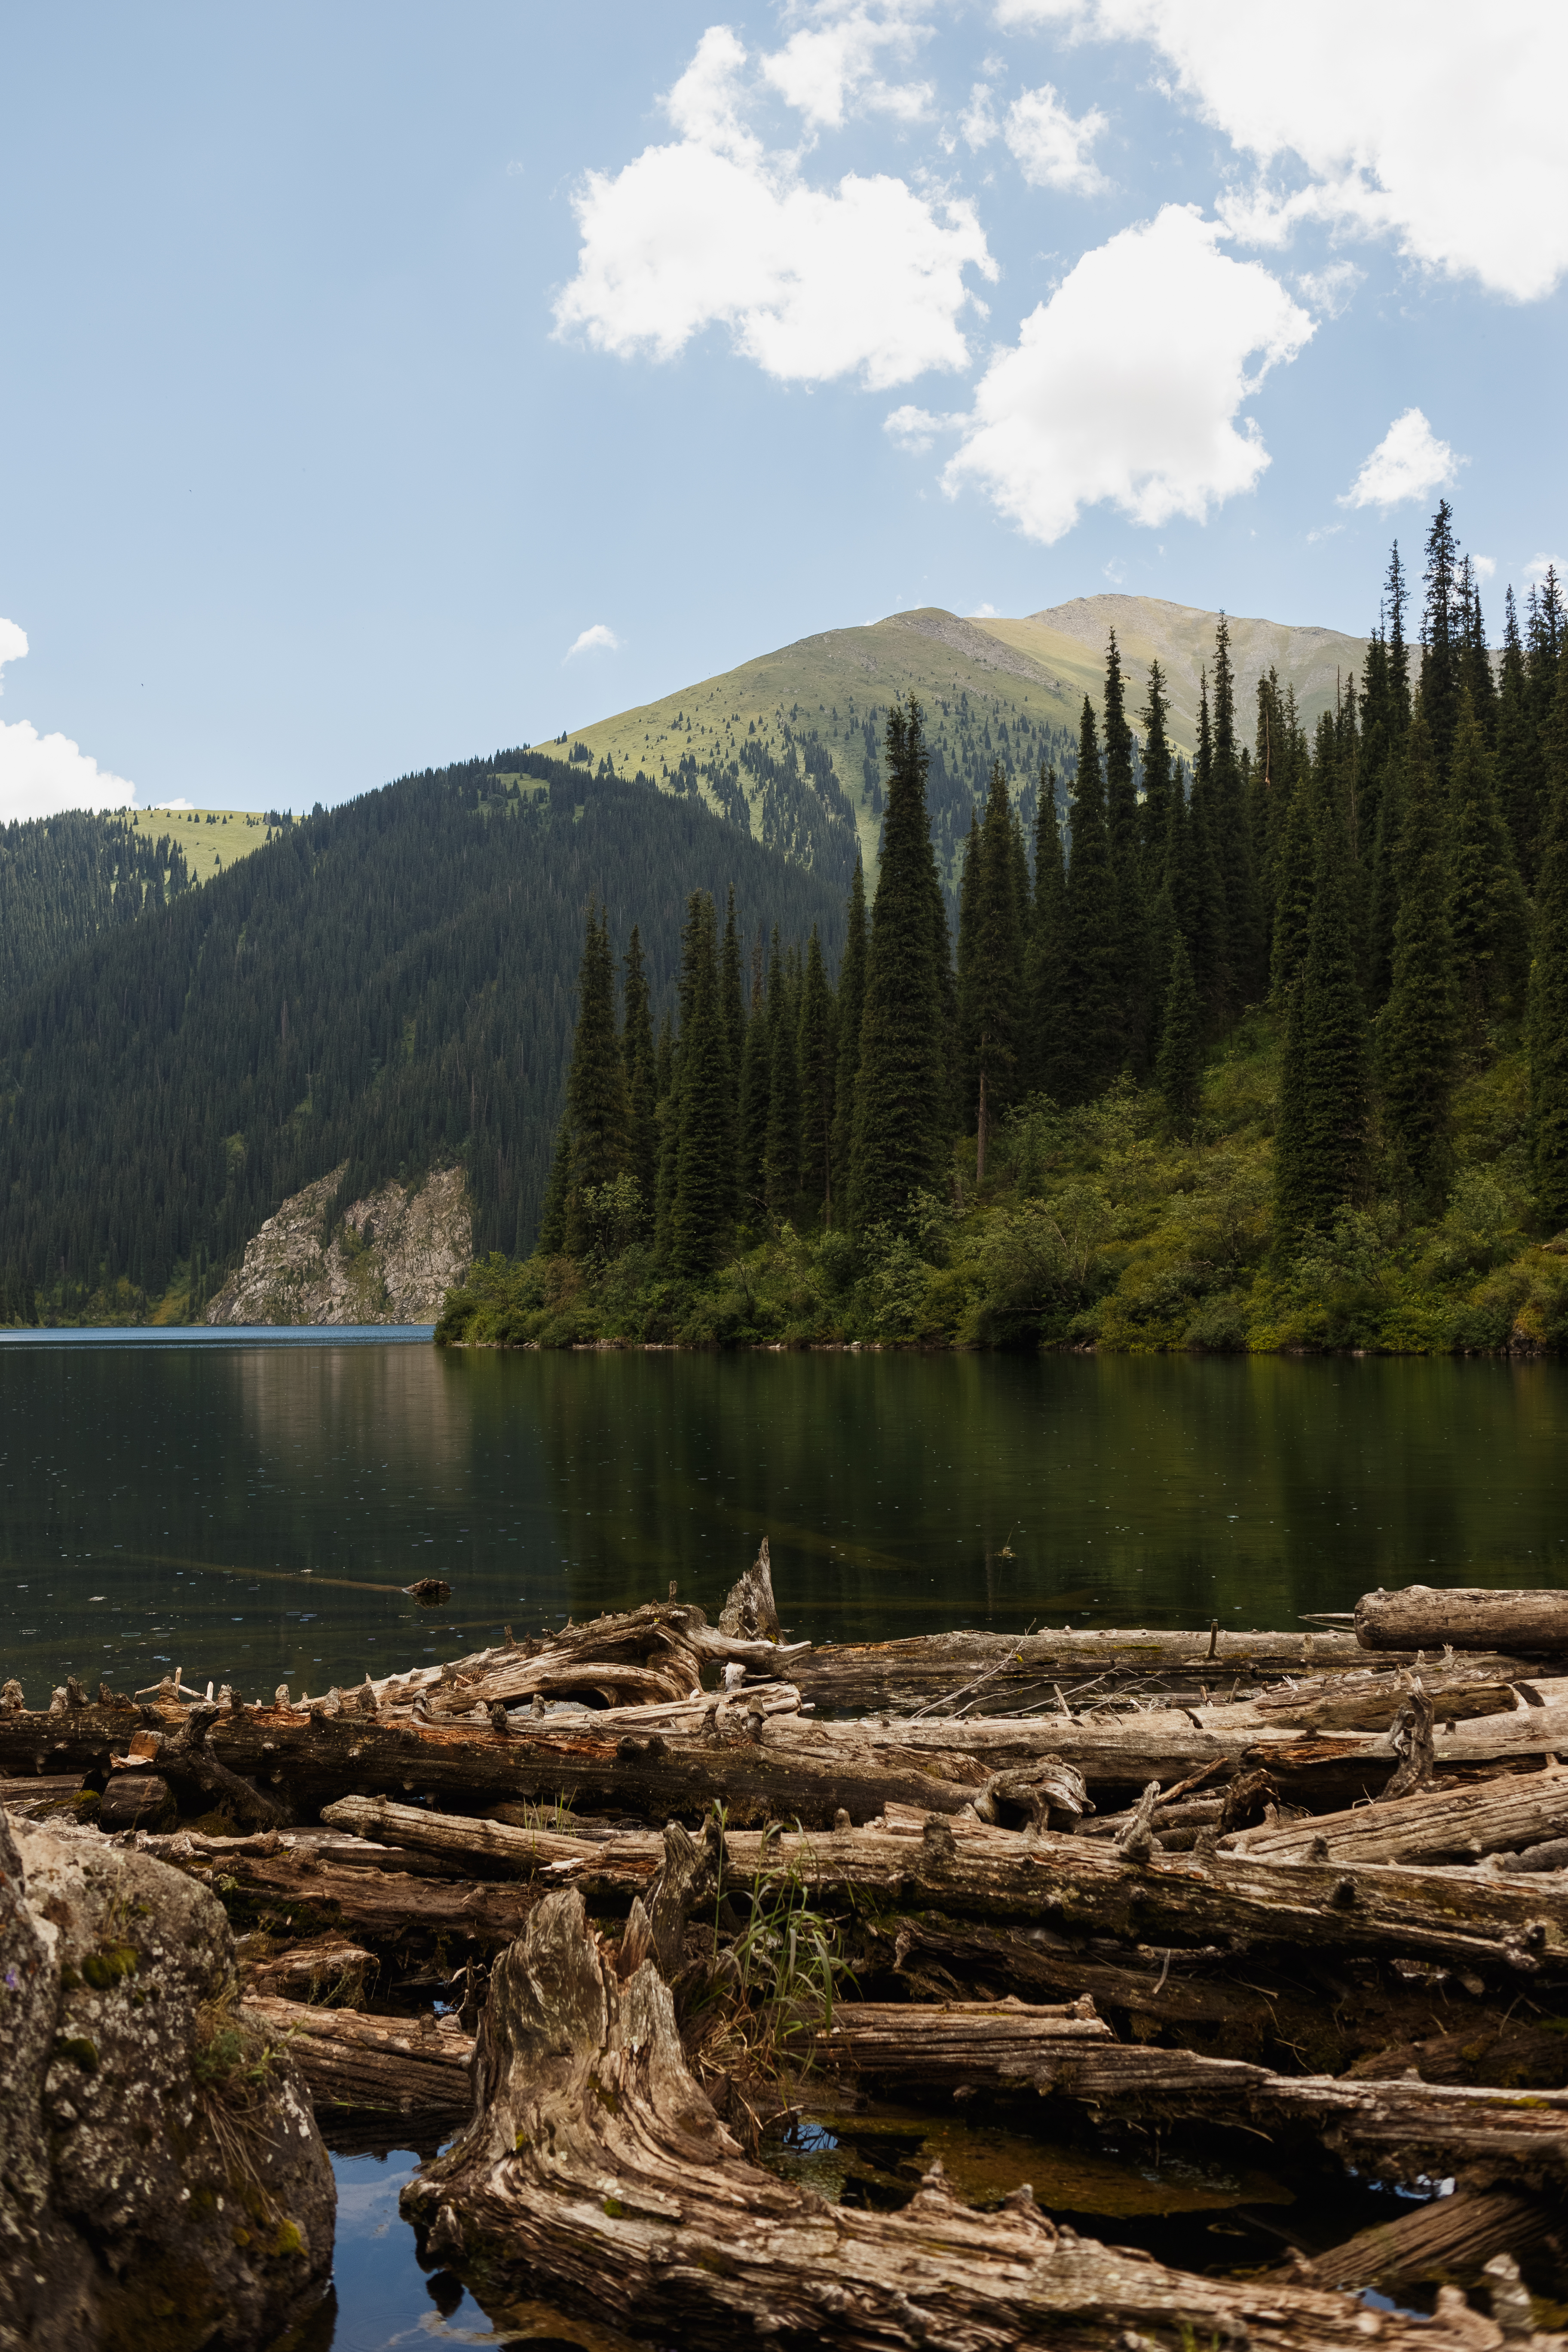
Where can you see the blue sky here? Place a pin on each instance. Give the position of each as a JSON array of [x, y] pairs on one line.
[[363, 361]]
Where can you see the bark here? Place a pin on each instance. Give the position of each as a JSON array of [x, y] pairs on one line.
[[388, 1907], [751, 1613], [1409, 2129], [966, 1868], [1423, 1617], [1457, 2233], [394, 2065], [323, 1967], [597, 2173], [1447, 1824]]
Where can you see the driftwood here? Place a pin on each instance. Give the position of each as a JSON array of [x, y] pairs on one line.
[[1455, 2234], [1413, 2129], [1422, 1617], [1460, 1824], [323, 1967], [595, 2170], [349, 2060]]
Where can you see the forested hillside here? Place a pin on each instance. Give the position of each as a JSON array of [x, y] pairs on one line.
[[388, 984], [65, 878], [1271, 1052]]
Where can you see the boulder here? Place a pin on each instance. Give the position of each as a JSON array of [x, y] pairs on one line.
[[162, 2184]]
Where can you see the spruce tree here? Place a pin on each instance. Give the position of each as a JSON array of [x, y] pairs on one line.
[[1547, 1028], [1476, 661], [733, 987], [1518, 751], [990, 970], [1488, 921], [781, 1153], [1295, 883], [1157, 781], [1091, 1036], [851, 1002], [900, 1111], [705, 1141], [642, 1093], [1321, 1135], [1123, 832], [1442, 637], [598, 1112], [1179, 1069], [1202, 885], [1416, 1030], [756, 1082], [1044, 950], [818, 1058], [1230, 835]]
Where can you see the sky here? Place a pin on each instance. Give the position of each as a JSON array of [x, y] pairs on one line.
[[382, 386]]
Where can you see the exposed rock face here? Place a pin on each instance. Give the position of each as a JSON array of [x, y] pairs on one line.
[[393, 1260], [162, 2184]]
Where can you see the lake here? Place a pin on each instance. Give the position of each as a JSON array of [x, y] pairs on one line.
[[247, 1507]]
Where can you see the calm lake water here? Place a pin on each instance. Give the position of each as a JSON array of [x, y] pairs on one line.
[[246, 1508]]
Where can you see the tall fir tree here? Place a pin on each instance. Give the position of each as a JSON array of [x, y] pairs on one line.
[[1417, 1033], [642, 1079], [1155, 812], [818, 1058], [1476, 661], [732, 988], [1091, 1044], [1123, 832], [1179, 1070], [900, 1097], [598, 1113], [850, 1004], [781, 1156], [1045, 948], [1518, 751], [1202, 886], [1442, 637], [1487, 919], [705, 1137], [1547, 1027], [1295, 885], [990, 970], [1231, 835], [1321, 1135]]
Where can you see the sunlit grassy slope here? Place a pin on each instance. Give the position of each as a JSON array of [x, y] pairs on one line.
[[1006, 688], [212, 839]]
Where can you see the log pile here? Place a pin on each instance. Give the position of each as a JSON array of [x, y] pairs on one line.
[[630, 1888]]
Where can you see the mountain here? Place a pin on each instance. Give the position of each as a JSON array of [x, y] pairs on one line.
[[382, 990], [789, 746]]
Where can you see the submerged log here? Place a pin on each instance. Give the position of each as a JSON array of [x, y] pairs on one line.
[[595, 2169], [397, 2066], [1424, 1617]]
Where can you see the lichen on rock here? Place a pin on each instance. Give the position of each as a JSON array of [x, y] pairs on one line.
[[392, 1259], [162, 2184]]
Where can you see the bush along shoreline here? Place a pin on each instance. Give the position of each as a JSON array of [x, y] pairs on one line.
[[1272, 1054]]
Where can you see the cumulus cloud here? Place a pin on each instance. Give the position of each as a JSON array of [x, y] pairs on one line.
[[1050, 145], [41, 774], [1485, 565], [1536, 570], [1125, 387], [983, 612], [915, 429], [598, 639], [1330, 289], [862, 279], [1409, 462], [1406, 124], [832, 66]]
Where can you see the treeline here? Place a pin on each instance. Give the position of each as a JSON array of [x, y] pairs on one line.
[[1390, 894], [65, 878], [386, 984]]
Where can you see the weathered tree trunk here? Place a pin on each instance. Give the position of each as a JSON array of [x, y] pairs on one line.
[[1424, 1617], [1410, 2128], [1439, 1824], [1456, 2233], [596, 2170], [391, 2065], [322, 1967]]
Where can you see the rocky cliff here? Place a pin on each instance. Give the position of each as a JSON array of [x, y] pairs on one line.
[[392, 1260]]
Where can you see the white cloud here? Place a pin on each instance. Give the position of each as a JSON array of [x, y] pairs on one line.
[[1409, 124], [983, 612], [1329, 291], [1485, 566], [1050, 146], [1409, 462], [829, 67], [1125, 386], [1536, 570], [41, 774], [914, 429], [173, 805], [866, 279], [598, 639]]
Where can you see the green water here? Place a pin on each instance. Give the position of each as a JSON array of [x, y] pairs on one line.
[[247, 1509]]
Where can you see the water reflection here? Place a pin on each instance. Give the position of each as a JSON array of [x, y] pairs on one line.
[[250, 1513]]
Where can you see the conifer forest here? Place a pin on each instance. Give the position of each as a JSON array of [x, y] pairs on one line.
[[1264, 1050]]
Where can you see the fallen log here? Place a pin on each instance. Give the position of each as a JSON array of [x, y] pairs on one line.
[[1014, 1961], [394, 2065], [595, 2170], [1429, 1826], [323, 1967], [967, 1868], [1411, 2129], [1424, 1617], [1458, 2234], [389, 1908]]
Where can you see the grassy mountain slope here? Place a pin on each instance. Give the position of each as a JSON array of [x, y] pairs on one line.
[[788, 746], [212, 839], [388, 986]]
